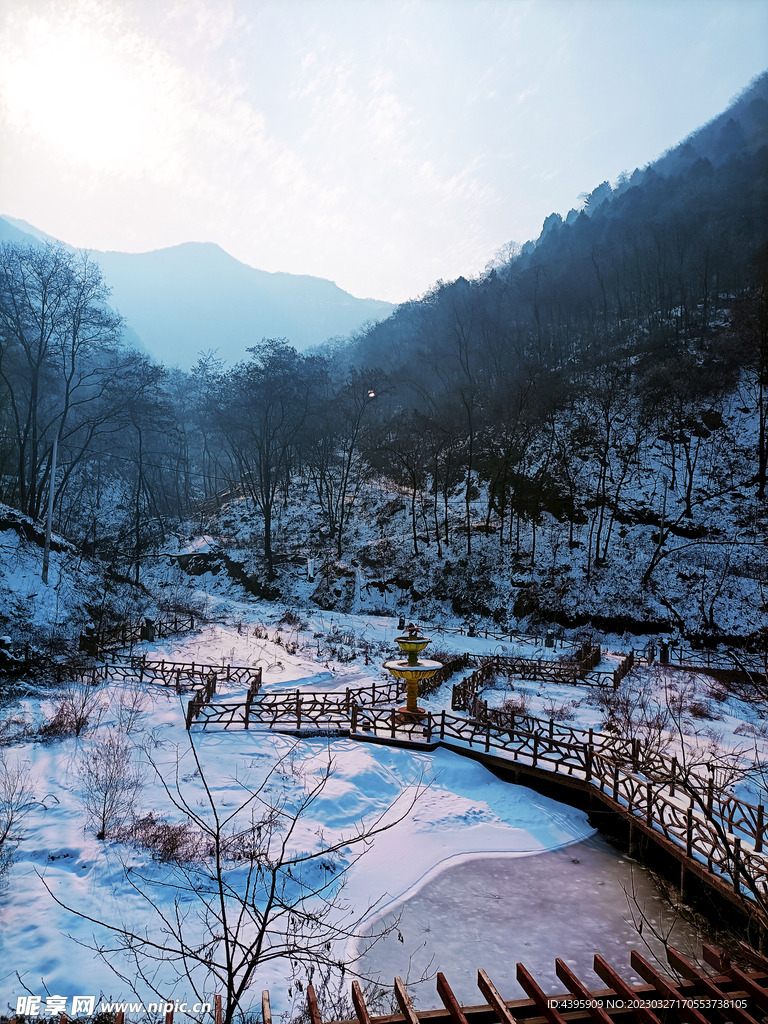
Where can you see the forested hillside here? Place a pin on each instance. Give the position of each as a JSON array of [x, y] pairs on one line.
[[577, 436]]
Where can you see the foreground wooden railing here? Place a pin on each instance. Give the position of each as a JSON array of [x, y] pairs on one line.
[[694, 997]]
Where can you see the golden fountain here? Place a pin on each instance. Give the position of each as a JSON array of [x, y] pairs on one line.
[[412, 643]]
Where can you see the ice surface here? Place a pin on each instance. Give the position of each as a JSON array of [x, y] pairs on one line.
[[492, 912]]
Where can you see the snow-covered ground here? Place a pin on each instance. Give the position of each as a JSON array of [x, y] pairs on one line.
[[464, 815], [464, 811]]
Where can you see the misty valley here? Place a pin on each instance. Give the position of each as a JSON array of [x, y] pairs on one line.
[[228, 498]]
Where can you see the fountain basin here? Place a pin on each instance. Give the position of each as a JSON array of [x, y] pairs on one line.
[[405, 670]]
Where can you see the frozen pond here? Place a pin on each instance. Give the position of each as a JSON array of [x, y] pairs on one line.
[[496, 911]]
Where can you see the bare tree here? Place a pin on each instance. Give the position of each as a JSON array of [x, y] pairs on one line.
[[262, 407], [262, 891], [58, 357], [16, 799], [111, 781]]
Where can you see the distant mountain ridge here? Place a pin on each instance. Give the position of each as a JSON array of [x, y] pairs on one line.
[[193, 297], [741, 130]]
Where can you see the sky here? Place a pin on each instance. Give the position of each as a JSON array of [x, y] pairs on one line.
[[382, 144]]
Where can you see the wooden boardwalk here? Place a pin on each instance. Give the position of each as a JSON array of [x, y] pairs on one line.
[[711, 833]]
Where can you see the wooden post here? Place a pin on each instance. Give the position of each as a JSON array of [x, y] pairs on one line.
[[632, 851], [689, 832], [358, 1002], [298, 710], [314, 1012], [169, 1014], [266, 1009], [683, 880], [674, 776], [649, 804], [406, 1006], [393, 723], [353, 722], [487, 736], [710, 795], [442, 724], [759, 829], [535, 748], [736, 862], [429, 727], [217, 1014], [616, 782]]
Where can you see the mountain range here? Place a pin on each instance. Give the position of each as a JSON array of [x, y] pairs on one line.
[[195, 297]]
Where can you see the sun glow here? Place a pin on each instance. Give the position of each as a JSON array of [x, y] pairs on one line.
[[98, 99]]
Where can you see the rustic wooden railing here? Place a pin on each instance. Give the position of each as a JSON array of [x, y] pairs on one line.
[[713, 828], [298, 708], [107, 636], [173, 672]]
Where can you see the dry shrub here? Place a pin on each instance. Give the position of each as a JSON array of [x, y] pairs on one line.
[[168, 841], [78, 706], [560, 712], [717, 691], [15, 729], [517, 704], [698, 709], [290, 618], [129, 707]]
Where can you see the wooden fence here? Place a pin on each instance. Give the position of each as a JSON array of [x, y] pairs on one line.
[[106, 636], [295, 709], [518, 736], [175, 673], [566, 671]]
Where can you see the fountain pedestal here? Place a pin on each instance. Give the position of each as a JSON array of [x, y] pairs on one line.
[[412, 669]]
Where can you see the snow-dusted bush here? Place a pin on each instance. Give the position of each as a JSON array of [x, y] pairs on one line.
[[517, 704]]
